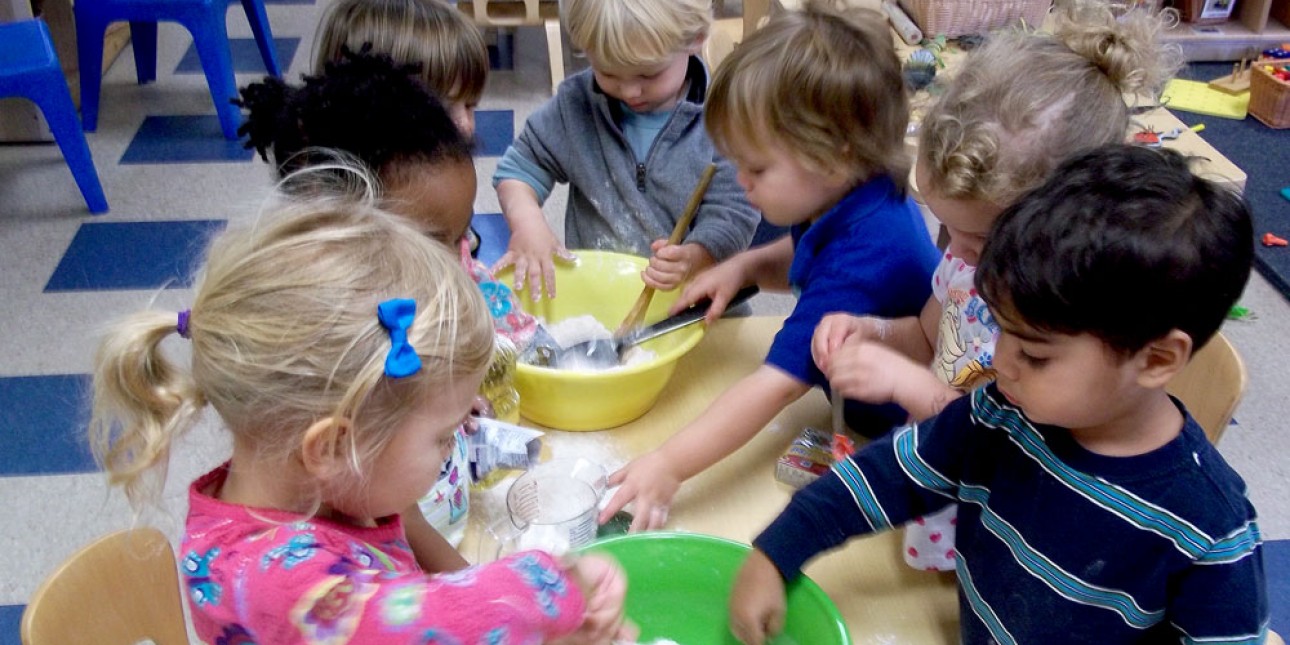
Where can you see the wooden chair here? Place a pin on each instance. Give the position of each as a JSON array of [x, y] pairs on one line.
[[507, 14], [1211, 386], [120, 590]]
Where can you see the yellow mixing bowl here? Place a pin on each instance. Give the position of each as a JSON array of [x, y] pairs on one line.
[[604, 285]]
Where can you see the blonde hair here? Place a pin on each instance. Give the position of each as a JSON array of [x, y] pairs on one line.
[[632, 33], [284, 333], [431, 33], [1026, 100], [825, 83]]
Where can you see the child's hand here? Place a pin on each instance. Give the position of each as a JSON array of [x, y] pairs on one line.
[[650, 482], [604, 585], [871, 372], [480, 407], [533, 251], [719, 284], [672, 264], [757, 603], [836, 329]]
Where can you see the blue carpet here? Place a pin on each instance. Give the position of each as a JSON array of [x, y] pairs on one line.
[[1276, 564], [42, 430], [10, 618], [133, 255], [1264, 154], [183, 139], [246, 56]]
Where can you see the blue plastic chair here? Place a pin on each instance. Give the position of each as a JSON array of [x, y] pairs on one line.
[[29, 68], [204, 19]]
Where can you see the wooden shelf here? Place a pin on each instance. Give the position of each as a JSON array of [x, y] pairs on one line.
[[1257, 25]]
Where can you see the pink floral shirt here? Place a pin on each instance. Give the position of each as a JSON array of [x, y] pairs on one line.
[[265, 576]]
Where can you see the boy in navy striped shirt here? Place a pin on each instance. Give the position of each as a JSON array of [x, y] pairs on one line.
[[1092, 507]]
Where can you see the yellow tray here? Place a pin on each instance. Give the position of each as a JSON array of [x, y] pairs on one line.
[[1194, 96]]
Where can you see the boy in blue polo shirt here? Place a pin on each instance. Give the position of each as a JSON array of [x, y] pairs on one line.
[[833, 170]]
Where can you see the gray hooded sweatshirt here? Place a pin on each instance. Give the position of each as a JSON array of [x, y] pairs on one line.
[[616, 201]]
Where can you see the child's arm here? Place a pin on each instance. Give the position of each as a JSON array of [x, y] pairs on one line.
[[533, 245], [434, 554], [1224, 600], [757, 602], [911, 336], [872, 490], [766, 266], [651, 480], [873, 372]]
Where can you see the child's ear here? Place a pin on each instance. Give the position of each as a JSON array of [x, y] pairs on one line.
[[696, 47], [323, 451], [1163, 358]]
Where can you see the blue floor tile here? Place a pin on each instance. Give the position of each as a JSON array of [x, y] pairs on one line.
[[494, 236], [133, 255], [246, 56], [10, 618], [494, 132], [183, 139], [42, 430]]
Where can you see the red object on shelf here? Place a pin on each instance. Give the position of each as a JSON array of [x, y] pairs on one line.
[[1272, 240]]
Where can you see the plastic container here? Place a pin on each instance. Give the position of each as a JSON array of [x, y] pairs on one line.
[[678, 588]]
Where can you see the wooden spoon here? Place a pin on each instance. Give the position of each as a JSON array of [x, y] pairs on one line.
[[637, 313]]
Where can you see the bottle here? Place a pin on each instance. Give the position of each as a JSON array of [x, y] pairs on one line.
[[499, 382]]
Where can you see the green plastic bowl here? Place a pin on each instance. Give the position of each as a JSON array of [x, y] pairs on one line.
[[678, 588]]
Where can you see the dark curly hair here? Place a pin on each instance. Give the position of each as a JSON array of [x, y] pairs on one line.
[[364, 106]]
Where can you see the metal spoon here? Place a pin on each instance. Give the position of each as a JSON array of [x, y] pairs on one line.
[[608, 352]]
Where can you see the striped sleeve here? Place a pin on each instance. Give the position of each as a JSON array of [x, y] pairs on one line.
[[904, 475], [1222, 600]]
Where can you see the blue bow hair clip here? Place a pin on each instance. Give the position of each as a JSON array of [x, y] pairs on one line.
[[396, 316]]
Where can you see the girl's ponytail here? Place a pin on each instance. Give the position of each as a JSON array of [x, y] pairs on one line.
[[1127, 48], [142, 402]]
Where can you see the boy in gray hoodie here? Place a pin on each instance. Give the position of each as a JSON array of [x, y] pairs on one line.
[[628, 137]]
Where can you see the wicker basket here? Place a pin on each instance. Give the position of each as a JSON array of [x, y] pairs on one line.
[[953, 18], [1269, 96]]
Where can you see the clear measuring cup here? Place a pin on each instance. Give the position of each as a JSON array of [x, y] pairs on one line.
[[551, 507]]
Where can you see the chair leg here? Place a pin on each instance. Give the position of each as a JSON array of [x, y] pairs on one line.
[[60, 113], [143, 38], [89, 55], [555, 51], [210, 36], [259, 19]]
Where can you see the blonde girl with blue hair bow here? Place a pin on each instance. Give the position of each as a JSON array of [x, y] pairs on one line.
[[342, 352]]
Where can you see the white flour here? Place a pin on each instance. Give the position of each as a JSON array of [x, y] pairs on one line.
[[580, 329]]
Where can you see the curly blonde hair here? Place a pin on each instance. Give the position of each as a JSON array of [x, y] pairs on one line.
[[824, 82], [284, 333], [1026, 100], [433, 34], [632, 33]]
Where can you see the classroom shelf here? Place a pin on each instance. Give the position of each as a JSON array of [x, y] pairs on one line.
[[1258, 25]]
